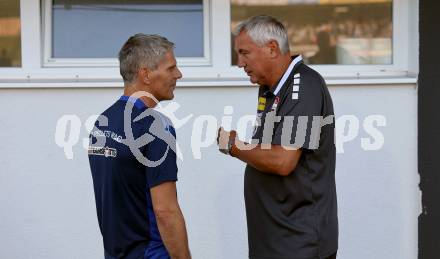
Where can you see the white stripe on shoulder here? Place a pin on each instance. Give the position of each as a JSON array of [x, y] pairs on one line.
[[287, 73]]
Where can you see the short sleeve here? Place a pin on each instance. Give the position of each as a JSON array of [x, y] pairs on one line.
[[300, 116], [161, 152]]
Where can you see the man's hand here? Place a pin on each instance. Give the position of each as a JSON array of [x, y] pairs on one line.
[[224, 138]]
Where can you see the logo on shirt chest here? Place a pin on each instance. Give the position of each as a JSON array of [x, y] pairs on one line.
[[275, 104], [261, 104], [102, 151]]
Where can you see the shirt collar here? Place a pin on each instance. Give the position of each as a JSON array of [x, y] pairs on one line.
[[296, 60], [138, 103]]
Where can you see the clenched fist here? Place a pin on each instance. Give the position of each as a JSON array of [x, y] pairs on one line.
[[225, 140]]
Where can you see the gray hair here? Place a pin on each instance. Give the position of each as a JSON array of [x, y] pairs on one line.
[[262, 29], [142, 50]]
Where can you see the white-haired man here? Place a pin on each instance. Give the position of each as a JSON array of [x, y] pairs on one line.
[[289, 186]]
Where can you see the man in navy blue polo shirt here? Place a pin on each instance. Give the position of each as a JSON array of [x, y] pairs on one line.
[[132, 157], [289, 183]]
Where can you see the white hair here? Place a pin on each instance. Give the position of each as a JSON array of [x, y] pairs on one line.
[[262, 29]]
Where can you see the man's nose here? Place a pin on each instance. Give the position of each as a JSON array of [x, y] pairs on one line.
[[240, 62], [178, 74]]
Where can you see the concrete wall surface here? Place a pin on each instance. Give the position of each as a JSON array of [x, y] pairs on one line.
[[47, 202]]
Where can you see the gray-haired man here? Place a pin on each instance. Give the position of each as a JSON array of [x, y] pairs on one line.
[[133, 160], [290, 191]]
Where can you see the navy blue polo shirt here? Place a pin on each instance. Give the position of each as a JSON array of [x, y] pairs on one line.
[[126, 160]]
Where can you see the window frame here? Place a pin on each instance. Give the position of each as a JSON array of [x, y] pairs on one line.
[[49, 61], [218, 72], [400, 61]]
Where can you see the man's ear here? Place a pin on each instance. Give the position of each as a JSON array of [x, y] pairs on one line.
[[144, 75], [273, 48]]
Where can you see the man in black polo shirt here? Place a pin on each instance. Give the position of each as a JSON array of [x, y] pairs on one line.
[[290, 190], [133, 160]]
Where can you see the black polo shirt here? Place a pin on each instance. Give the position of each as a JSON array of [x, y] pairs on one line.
[[294, 216]]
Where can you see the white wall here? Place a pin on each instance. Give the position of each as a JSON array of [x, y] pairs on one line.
[[47, 207]]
